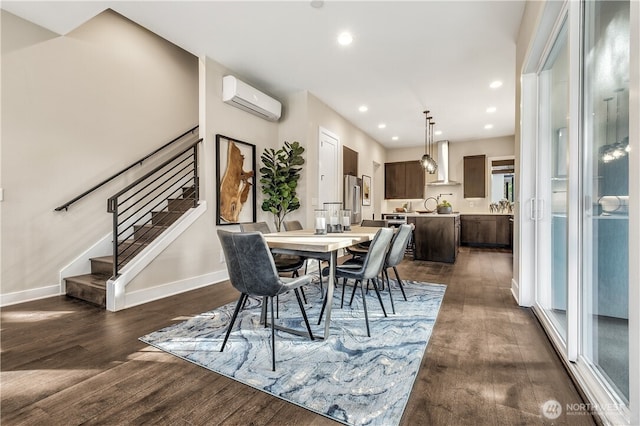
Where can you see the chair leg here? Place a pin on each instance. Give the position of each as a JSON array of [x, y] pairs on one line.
[[375, 287], [344, 284], [304, 313], [294, 275], [324, 305], [399, 282], [273, 338], [385, 273], [320, 274], [241, 300], [364, 304], [263, 312], [353, 293]]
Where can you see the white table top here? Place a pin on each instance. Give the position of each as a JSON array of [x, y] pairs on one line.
[[306, 240]]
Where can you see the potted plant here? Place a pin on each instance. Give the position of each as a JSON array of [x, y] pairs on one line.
[[279, 178], [444, 207]]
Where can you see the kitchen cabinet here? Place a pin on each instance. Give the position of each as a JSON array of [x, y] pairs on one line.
[[436, 238], [403, 180], [349, 161], [475, 176], [486, 230]]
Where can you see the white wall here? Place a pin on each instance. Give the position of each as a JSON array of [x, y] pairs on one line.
[[492, 147], [75, 110]]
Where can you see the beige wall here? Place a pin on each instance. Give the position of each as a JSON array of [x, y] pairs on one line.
[[76, 109], [493, 147], [368, 149], [196, 253]]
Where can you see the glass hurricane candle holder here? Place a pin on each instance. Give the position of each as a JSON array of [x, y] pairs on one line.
[[345, 216], [334, 220], [320, 222]]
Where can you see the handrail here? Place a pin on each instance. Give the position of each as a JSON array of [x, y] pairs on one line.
[[66, 205], [136, 205]]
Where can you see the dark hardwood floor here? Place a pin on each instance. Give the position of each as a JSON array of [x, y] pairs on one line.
[[488, 362]]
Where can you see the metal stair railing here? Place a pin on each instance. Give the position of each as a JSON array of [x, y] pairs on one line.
[[143, 201]]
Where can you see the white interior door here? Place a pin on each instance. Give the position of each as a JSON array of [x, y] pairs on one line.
[[327, 168]]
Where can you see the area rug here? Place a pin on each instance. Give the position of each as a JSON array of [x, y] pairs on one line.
[[349, 377]]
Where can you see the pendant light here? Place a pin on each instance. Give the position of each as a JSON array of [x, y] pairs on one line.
[[427, 161]]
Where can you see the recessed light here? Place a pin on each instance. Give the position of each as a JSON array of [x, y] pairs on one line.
[[495, 84], [488, 126], [345, 38], [437, 132], [491, 110], [363, 108], [381, 126], [317, 4], [394, 138]]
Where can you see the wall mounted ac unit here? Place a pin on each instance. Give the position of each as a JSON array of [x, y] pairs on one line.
[[241, 95]]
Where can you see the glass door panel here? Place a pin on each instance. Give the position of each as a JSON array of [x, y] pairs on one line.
[[605, 249], [552, 175]]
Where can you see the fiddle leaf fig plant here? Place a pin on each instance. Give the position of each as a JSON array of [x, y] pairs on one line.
[[279, 178]]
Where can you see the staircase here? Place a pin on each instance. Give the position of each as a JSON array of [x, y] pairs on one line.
[[92, 287]]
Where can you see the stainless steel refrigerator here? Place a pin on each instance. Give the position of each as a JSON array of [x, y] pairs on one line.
[[353, 197]]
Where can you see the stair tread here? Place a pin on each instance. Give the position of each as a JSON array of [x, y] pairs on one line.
[[91, 280], [104, 259]]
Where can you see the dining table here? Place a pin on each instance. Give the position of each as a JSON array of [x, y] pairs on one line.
[[305, 241]]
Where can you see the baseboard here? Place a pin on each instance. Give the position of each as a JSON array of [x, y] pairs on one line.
[[146, 295], [29, 295], [515, 290]]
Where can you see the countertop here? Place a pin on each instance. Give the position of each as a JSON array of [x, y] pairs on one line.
[[415, 214]]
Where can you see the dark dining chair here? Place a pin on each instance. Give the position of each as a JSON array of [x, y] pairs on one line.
[[367, 271], [285, 263], [252, 271], [360, 249], [295, 225]]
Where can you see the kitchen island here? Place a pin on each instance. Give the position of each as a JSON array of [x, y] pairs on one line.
[[436, 236]]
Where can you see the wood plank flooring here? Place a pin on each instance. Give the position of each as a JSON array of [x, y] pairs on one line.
[[488, 362]]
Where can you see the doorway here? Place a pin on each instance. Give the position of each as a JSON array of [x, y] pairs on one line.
[[328, 190]]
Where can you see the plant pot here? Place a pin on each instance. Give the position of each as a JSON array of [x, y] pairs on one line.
[[444, 209]]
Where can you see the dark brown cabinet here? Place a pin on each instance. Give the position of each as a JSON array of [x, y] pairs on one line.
[[403, 180], [485, 230], [475, 176], [436, 238], [349, 161]]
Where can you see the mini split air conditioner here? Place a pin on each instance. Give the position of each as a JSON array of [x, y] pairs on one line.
[[241, 95]]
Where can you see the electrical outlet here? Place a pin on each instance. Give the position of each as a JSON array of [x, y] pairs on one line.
[[222, 257]]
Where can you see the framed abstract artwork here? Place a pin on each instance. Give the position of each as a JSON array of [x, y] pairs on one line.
[[366, 190], [235, 181]]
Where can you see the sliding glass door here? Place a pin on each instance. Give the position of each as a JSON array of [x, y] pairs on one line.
[[581, 205], [605, 221], [552, 175]]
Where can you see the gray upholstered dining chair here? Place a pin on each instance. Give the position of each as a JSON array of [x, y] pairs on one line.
[[360, 249], [285, 263], [295, 225], [367, 271], [394, 257], [253, 272]]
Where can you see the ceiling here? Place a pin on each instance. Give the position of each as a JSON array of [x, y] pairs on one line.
[[405, 56]]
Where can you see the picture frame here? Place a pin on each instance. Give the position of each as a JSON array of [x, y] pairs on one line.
[[235, 181], [366, 190]]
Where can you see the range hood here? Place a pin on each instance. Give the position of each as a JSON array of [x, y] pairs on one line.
[[443, 166]]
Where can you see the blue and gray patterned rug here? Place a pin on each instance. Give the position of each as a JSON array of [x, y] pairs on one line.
[[349, 377]]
